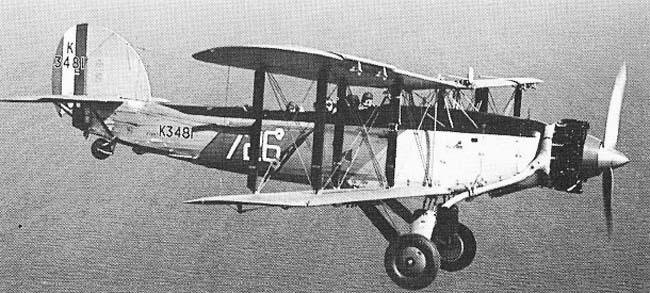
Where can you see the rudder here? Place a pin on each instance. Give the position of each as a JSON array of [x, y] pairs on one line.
[[95, 61]]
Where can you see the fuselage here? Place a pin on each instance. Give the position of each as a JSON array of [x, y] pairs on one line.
[[463, 149]]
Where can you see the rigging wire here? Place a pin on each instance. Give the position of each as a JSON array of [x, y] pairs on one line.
[[228, 86], [362, 132], [451, 123], [313, 82], [277, 92], [416, 133], [492, 103], [465, 113], [471, 105], [509, 103], [433, 138], [365, 138]]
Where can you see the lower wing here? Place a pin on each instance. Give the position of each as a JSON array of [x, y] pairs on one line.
[[348, 196]]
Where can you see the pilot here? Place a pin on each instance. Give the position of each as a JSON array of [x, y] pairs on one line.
[[330, 105], [366, 101], [386, 95], [352, 101], [293, 108]]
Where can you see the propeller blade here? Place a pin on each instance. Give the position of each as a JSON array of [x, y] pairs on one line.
[[614, 114], [607, 198], [470, 75]]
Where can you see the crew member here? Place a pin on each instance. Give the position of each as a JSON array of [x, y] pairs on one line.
[[330, 105], [366, 101]]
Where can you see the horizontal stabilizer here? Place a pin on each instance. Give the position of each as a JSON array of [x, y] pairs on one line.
[[326, 197], [62, 99]]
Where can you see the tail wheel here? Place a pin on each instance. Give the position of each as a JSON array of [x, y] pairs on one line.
[[102, 149], [412, 261], [457, 250]]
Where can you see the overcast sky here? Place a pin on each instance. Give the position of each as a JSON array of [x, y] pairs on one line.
[[558, 41]]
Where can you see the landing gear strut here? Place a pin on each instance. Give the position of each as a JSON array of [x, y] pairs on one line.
[[102, 148]]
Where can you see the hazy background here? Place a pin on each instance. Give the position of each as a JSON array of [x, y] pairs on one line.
[[71, 223]]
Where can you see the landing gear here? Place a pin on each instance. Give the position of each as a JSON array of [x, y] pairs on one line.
[[102, 148], [436, 241], [455, 242], [412, 261]]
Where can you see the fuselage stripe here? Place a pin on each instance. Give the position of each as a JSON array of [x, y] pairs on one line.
[[80, 55]]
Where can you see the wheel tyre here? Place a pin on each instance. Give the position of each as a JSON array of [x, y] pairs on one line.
[[457, 253], [412, 261], [101, 149]]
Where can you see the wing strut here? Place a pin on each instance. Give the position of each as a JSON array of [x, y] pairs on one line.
[[256, 129], [339, 130], [393, 127], [481, 96], [319, 129], [517, 110]]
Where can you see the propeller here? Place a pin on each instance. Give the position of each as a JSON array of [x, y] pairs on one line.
[[608, 157]]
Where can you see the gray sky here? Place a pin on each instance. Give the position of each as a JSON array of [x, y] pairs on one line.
[[560, 42]]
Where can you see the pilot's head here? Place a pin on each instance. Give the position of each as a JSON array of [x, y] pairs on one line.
[[366, 101], [292, 107], [330, 105]]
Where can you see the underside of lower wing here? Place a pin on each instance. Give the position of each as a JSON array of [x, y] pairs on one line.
[[308, 198], [328, 197]]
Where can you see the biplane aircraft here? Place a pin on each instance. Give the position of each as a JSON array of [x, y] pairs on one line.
[[444, 147]]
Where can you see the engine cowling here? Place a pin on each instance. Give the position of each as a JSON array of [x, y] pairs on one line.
[[567, 152]]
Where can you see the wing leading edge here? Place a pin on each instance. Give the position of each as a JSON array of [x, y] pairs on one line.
[[308, 198], [347, 196]]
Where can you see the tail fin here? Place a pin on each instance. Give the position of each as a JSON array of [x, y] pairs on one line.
[[95, 61]]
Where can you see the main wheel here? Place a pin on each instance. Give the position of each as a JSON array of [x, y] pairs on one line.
[[102, 149], [457, 251], [412, 261]]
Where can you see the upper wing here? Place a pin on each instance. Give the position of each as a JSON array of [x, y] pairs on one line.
[[504, 82], [306, 63], [62, 99]]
